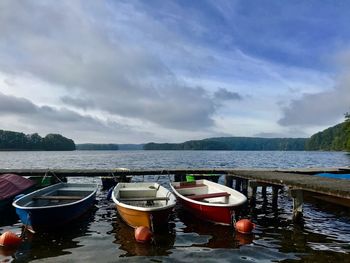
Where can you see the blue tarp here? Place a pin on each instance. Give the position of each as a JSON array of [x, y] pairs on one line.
[[335, 176]]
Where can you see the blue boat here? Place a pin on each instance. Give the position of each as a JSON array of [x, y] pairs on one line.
[[54, 206]]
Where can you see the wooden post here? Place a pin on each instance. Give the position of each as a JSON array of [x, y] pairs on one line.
[[228, 180], [263, 192], [275, 196], [245, 187], [252, 186], [297, 195], [180, 177], [238, 184]]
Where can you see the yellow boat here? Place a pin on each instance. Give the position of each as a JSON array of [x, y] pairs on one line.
[[143, 204]]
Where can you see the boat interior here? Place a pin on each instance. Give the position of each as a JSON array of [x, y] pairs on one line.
[[144, 196], [203, 193], [59, 196]]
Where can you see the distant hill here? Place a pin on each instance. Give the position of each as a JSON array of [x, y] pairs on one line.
[[130, 146], [108, 147], [234, 143], [17, 141], [336, 138], [95, 146]]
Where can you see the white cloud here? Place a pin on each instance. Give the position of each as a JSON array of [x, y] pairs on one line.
[[112, 71], [323, 108]]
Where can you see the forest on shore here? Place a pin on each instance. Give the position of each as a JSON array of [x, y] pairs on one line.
[[336, 138], [18, 141]]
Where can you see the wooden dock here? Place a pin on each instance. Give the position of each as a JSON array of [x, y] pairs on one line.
[[298, 181]]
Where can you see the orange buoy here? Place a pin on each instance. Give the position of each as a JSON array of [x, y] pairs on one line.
[[143, 234], [10, 239], [244, 226]]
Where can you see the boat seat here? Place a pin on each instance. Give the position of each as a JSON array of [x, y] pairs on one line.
[[205, 196], [137, 192], [143, 199], [57, 197], [183, 186]]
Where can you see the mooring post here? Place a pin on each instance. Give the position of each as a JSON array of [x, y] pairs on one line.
[[263, 192], [228, 180], [238, 184], [252, 186], [275, 196], [245, 186], [297, 195], [180, 177]]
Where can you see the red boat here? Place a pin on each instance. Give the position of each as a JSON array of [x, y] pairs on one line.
[[209, 201]]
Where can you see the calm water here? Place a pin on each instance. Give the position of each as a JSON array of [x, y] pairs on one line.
[[100, 236]]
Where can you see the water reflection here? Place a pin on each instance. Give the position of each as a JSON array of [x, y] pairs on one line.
[[216, 236], [162, 243], [53, 243]]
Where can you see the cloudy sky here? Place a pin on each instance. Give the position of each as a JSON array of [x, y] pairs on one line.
[[169, 71]]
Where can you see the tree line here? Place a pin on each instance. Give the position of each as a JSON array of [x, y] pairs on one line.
[[10, 140], [336, 138], [97, 147], [234, 143]]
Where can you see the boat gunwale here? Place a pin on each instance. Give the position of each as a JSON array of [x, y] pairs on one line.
[[33, 194], [209, 183]]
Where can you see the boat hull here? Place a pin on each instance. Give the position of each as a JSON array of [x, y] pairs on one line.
[[150, 219], [213, 214], [209, 201], [43, 218], [144, 204]]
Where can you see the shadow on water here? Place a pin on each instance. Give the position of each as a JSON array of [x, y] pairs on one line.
[[209, 235], [8, 217], [321, 236], [162, 243], [51, 244]]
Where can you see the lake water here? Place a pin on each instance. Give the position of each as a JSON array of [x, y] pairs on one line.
[[100, 236]]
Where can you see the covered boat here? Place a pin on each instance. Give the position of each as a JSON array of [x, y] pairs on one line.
[[143, 204], [12, 185], [209, 201], [55, 205]]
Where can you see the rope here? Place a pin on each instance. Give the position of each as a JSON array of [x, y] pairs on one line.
[[25, 228], [233, 219], [169, 176], [42, 180], [56, 176]]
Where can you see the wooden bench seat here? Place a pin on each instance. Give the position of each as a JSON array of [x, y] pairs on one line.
[[135, 199], [57, 197], [205, 196], [182, 186]]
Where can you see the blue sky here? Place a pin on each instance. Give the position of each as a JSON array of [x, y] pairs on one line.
[[170, 71]]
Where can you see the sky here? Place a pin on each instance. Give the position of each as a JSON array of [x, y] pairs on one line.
[[170, 71]]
